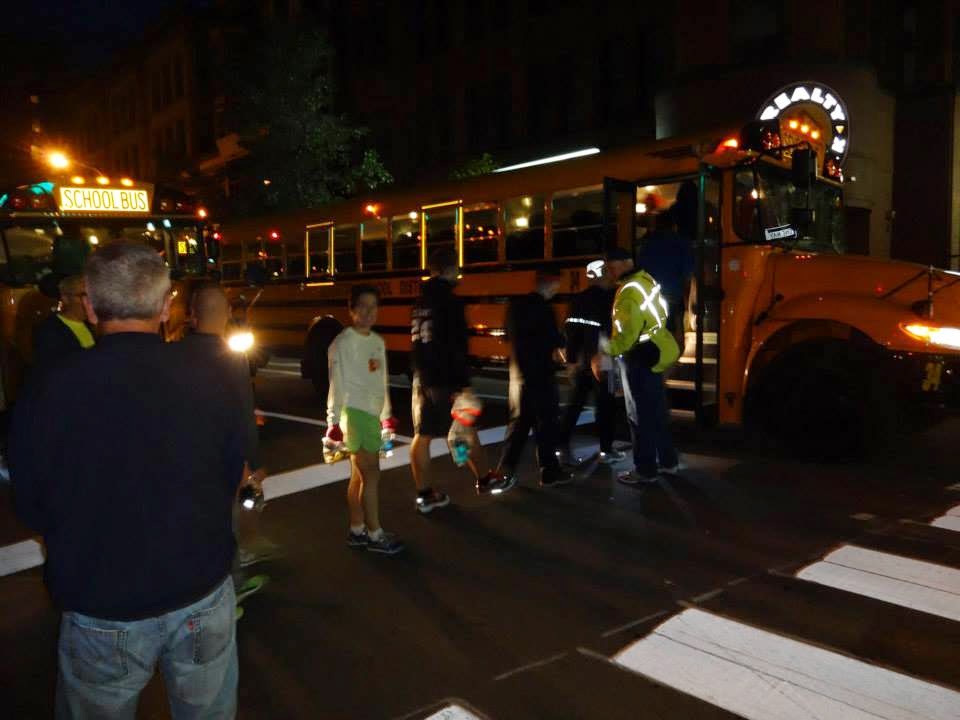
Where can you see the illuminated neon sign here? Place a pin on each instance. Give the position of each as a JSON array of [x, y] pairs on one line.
[[827, 99], [104, 200]]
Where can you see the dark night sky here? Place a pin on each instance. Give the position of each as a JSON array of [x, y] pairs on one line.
[[43, 42]]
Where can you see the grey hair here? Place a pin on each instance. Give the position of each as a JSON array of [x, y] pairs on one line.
[[127, 281]]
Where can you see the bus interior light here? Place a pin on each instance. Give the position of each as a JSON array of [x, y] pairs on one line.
[[640, 208], [552, 159], [93, 240], [522, 222], [413, 215]]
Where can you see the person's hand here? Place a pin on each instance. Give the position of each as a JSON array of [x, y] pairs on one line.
[[255, 479], [596, 366], [334, 433]]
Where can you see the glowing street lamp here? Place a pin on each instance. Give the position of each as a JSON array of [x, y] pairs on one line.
[[58, 160]]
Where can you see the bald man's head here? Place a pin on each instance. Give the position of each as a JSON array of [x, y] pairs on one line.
[[209, 310]]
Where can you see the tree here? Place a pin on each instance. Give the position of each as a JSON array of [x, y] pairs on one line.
[[477, 166], [282, 96]]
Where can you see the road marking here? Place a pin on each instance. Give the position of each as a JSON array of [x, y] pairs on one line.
[[634, 623], [20, 556], [949, 520], [530, 666], [760, 675], [274, 371], [915, 584], [453, 712], [293, 418]]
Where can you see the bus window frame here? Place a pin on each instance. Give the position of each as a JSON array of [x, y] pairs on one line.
[[356, 248], [497, 207], [548, 218], [328, 272], [457, 206], [387, 240]]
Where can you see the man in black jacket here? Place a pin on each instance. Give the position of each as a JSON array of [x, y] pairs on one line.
[[439, 354], [534, 402], [127, 460], [587, 320], [65, 331]]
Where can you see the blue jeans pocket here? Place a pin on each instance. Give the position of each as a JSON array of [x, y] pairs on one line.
[[97, 655], [211, 629]]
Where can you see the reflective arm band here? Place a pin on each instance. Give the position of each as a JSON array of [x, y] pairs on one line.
[[582, 321]]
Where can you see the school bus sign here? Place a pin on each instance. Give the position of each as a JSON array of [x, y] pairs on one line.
[[104, 200]]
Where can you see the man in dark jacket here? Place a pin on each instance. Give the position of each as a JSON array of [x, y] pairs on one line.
[[534, 402], [66, 331], [587, 320], [137, 531], [439, 354]]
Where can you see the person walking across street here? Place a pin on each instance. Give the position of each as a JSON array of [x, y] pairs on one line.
[[439, 355], [644, 348], [209, 317], [127, 461], [587, 322], [534, 403], [65, 331], [358, 413]]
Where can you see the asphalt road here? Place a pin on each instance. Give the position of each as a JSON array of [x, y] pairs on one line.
[[753, 585]]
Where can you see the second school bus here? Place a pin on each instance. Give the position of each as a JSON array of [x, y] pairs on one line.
[[784, 328]]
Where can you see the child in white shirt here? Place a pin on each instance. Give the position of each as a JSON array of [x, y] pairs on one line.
[[358, 410]]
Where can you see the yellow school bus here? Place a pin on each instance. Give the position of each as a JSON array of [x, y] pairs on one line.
[[48, 228], [783, 328]]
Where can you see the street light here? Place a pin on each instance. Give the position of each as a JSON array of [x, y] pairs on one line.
[[58, 160]]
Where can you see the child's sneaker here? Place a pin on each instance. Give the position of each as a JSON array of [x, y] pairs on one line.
[[431, 499], [388, 544], [358, 540]]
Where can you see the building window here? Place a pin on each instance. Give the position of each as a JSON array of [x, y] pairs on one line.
[[757, 29]]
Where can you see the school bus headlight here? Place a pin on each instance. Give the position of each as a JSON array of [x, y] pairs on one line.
[[240, 342], [933, 334]]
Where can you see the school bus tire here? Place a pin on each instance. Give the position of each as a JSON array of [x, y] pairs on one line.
[[314, 366], [825, 400]]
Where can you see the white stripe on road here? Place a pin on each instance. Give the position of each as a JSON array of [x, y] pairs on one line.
[[20, 556], [275, 371], [27, 554], [950, 520], [915, 584], [760, 675]]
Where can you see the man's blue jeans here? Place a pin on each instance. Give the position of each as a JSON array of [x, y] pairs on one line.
[[646, 404], [104, 664]]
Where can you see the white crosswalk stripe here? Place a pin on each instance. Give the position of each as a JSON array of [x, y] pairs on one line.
[[949, 520], [765, 676]]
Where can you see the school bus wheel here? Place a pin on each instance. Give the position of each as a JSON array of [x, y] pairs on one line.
[[825, 399]]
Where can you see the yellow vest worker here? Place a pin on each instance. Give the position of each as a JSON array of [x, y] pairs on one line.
[[80, 330], [640, 316]]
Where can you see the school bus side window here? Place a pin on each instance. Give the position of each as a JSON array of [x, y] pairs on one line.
[[481, 234], [577, 222], [373, 245], [746, 219], [345, 248], [405, 231], [318, 238], [523, 227]]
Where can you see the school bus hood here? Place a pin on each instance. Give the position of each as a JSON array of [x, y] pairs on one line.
[[876, 296]]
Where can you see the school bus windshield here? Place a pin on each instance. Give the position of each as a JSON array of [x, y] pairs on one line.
[[32, 248], [767, 203]]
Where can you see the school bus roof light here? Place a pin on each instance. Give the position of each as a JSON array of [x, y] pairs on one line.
[[103, 180], [77, 180], [126, 182]]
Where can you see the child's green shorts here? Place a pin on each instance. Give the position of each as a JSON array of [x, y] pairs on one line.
[[361, 430]]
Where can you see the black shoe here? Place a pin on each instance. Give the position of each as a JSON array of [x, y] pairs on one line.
[[389, 544], [632, 477], [568, 459], [495, 483], [431, 499], [551, 477]]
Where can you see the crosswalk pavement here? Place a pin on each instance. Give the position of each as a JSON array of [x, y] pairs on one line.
[[869, 630]]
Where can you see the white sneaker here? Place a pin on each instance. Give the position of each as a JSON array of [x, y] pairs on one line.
[[673, 471], [611, 457]]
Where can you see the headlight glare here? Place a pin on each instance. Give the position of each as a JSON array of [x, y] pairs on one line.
[[240, 342], [933, 334]]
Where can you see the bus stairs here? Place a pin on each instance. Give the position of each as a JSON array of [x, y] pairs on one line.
[[680, 380]]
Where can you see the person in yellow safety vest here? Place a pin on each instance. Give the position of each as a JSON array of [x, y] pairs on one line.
[[644, 348]]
